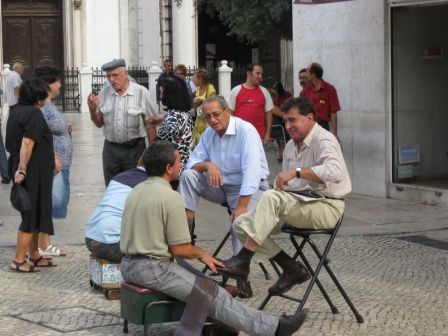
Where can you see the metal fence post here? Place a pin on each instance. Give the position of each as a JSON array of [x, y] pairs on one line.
[[153, 74], [225, 79]]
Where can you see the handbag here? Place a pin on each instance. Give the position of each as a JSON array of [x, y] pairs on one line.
[[20, 199]]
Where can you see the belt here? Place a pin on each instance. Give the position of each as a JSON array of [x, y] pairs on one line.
[[128, 144], [334, 198]]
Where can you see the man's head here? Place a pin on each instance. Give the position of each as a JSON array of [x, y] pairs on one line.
[[216, 113], [168, 66], [315, 71], [303, 77], [162, 159], [299, 117], [18, 67], [117, 74], [181, 71], [254, 74]]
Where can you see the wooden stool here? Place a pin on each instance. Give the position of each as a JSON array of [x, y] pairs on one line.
[[144, 306], [105, 275]]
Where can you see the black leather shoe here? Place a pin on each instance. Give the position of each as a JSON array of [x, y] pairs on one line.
[[289, 324], [6, 180], [287, 280], [244, 289], [235, 268]]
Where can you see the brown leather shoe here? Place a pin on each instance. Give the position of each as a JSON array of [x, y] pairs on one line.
[[235, 268], [288, 280], [244, 289]]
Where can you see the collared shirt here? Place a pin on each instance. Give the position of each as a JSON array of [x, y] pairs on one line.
[[239, 154], [154, 218], [12, 81], [105, 223], [325, 100], [321, 152], [124, 115]]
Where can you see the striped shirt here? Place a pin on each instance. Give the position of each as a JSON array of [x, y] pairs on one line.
[[321, 152], [124, 115], [12, 81]]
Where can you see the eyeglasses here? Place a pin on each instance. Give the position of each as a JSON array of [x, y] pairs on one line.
[[214, 115]]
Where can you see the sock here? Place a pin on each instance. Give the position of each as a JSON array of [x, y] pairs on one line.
[[284, 260], [245, 254]]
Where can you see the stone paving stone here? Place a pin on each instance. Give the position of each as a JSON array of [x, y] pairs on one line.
[[398, 286]]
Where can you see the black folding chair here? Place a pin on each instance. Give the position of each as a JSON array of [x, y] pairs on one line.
[[223, 242], [305, 235]]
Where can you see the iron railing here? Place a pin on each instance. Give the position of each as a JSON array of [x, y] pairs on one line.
[[69, 100], [139, 74]]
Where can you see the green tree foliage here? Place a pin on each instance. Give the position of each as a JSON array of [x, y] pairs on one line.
[[251, 20]]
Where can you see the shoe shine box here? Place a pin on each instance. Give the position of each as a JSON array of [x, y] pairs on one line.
[[105, 273]]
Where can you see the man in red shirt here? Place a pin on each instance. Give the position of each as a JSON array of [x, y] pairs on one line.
[[253, 103], [324, 97]]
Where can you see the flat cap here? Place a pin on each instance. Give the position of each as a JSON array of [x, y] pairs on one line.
[[115, 63]]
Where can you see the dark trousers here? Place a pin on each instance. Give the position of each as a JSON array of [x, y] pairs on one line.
[[110, 252], [118, 158]]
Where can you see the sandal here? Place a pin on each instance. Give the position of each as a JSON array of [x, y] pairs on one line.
[[48, 263], [17, 266], [53, 251]]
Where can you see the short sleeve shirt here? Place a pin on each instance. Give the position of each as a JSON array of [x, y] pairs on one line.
[[12, 81], [251, 105], [124, 115], [154, 218], [325, 100]]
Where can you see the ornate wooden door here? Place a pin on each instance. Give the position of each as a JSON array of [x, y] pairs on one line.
[[32, 33]]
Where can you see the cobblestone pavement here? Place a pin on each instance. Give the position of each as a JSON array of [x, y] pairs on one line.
[[400, 288]]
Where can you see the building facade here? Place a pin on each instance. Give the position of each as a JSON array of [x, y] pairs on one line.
[[386, 59]]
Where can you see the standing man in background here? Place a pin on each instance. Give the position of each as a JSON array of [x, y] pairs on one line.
[[13, 82], [123, 108], [252, 102], [324, 97]]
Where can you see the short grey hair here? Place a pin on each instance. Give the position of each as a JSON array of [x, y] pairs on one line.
[[220, 99], [16, 65]]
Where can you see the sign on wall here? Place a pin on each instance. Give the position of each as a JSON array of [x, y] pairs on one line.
[[316, 2]]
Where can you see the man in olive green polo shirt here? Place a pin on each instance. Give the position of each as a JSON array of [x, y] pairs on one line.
[[154, 230]]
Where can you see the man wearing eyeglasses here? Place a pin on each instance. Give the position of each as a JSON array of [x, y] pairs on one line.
[[227, 166]]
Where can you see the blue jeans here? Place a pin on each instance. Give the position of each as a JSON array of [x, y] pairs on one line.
[[61, 193], [3, 159], [169, 278]]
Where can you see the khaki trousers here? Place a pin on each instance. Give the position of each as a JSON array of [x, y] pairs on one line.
[[277, 208]]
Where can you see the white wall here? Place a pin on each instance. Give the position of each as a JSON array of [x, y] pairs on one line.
[[102, 31], [148, 32], [350, 41]]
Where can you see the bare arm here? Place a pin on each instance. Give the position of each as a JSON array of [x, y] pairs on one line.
[[93, 102], [241, 207], [268, 123], [188, 251], [16, 91], [25, 153], [334, 124], [277, 112]]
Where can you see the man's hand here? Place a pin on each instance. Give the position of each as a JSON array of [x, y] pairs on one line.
[[211, 262], [284, 177], [239, 210], [266, 138], [214, 175], [155, 120], [93, 101]]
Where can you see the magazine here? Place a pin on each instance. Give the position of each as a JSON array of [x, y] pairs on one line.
[[306, 194]]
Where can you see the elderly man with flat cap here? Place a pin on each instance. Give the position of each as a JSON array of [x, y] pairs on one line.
[[123, 108]]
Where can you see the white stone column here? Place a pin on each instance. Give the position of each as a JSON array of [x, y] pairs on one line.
[[4, 105], [225, 79], [85, 74], [153, 74], [185, 34]]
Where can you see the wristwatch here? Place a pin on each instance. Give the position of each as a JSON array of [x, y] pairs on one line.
[[298, 170]]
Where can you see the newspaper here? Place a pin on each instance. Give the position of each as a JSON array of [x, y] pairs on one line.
[[306, 194]]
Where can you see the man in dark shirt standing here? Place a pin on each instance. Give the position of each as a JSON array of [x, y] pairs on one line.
[[167, 71]]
